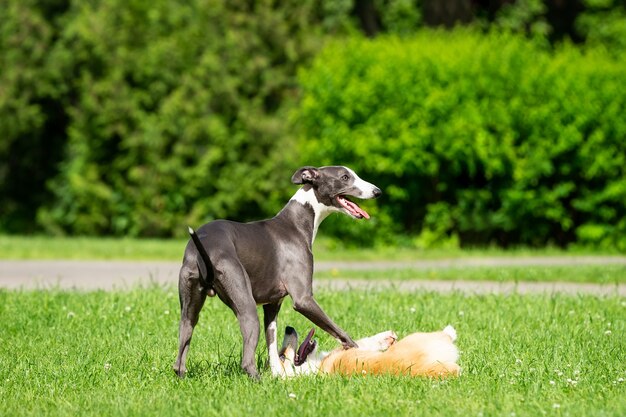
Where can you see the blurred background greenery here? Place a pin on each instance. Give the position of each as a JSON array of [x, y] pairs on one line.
[[484, 122]]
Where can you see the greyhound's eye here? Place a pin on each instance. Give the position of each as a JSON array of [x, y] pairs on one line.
[[345, 178]]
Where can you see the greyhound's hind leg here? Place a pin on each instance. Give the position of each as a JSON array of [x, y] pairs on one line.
[[250, 329], [192, 298], [237, 294]]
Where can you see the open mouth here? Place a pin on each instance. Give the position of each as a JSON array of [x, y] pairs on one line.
[[351, 207], [305, 348]]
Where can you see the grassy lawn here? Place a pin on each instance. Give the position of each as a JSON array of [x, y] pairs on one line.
[[110, 353], [84, 248], [42, 247], [599, 274]]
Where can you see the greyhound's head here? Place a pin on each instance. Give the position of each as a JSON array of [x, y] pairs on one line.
[[327, 190]]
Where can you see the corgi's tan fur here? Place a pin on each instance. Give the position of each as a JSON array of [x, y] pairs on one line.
[[431, 354], [427, 354]]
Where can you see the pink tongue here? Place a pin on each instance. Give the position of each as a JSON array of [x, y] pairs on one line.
[[354, 208]]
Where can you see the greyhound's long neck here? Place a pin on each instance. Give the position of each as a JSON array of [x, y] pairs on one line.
[[305, 211]]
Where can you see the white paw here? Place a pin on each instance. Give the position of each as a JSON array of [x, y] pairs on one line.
[[378, 342]]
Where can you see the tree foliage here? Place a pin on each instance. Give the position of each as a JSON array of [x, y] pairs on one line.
[[32, 111], [175, 109], [486, 139], [137, 117]]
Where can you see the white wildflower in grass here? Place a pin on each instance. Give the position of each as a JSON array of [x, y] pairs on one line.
[[572, 382], [552, 382], [71, 314], [412, 310], [608, 332], [292, 396], [518, 361], [107, 366], [556, 405], [127, 309]]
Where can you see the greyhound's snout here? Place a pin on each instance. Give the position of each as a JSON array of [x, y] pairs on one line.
[[370, 192]]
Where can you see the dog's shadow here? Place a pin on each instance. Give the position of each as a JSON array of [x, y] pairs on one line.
[[226, 366]]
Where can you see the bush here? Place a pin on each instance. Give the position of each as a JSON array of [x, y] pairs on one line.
[[31, 142], [176, 112], [603, 23], [138, 117], [485, 139]]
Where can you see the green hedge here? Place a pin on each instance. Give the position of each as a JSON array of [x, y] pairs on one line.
[[137, 117], [474, 139], [175, 111]]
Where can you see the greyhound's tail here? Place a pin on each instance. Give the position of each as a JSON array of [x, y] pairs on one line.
[[207, 282]]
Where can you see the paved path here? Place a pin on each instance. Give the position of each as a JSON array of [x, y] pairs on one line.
[[106, 275]]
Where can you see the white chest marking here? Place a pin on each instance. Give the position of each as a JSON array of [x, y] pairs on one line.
[[321, 210]]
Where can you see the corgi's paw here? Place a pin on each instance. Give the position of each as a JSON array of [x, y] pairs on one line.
[[390, 339], [378, 342]]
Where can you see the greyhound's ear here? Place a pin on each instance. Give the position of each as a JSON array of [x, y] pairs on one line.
[[305, 175]]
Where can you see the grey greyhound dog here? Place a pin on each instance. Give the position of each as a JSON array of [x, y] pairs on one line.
[[259, 263]]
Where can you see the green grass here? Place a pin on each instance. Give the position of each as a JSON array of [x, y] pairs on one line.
[[85, 248], [110, 353], [44, 247], [598, 274]]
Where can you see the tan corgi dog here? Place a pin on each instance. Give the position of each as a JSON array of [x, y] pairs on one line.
[[431, 354]]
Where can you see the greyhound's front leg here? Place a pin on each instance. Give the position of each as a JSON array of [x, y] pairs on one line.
[[308, 307], [270, 313]]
